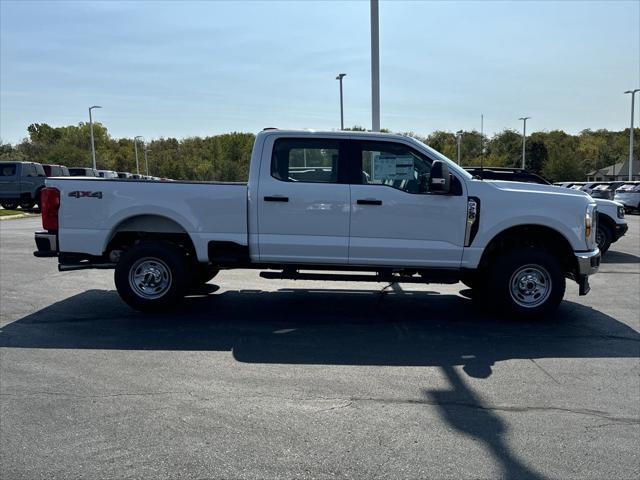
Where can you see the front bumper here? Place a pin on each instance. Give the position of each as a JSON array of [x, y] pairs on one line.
[[588, 262], [47, 244]]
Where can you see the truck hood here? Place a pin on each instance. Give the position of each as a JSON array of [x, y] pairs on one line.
[[537, 188], [602, 202]]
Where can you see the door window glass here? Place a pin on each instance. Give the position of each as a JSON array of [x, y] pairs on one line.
[[305, 160], [8, 170], [395, 165]]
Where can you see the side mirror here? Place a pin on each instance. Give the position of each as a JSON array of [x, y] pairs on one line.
[[440, 181]]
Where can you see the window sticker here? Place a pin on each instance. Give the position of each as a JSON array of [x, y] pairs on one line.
[[392, 167]]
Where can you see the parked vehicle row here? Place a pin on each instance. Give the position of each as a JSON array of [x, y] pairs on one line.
[[611, 225], [329, 206], [22, 182], [629, 196]]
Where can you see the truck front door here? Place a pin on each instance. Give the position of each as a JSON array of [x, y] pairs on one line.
[[303, 202], [396, 220]]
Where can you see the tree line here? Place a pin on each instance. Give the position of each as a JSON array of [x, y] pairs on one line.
[[556, 155]]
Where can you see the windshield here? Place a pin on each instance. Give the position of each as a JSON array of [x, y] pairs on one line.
[[443, 158]]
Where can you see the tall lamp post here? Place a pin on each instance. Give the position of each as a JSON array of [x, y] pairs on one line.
[[135, 146], [459, 138], [633, 95], [146, 161], [375, 68], [524, 138], [339, 78], [93, 146]]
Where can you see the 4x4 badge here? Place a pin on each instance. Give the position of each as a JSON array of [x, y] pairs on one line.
[[79, 194]]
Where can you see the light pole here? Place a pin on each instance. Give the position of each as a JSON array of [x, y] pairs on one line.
[[146, 162], [459, 138], [375, 68], [135, 146], [524, 138], [633, 95], [339, 78], [93, 146]]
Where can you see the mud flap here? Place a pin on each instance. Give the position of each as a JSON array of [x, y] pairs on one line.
[[583, 283]]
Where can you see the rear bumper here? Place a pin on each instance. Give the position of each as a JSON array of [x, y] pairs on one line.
[[47, 244]]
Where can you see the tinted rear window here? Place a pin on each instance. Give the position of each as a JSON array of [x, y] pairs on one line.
[[8, 170]]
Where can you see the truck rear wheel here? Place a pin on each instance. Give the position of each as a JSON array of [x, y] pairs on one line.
[[202, 273], [525, 282], [151, 276]]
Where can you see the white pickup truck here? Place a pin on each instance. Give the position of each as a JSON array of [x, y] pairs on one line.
[[328, 205]]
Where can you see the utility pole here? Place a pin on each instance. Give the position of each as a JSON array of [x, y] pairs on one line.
[[93, 146], [524, 138], [340, 77], [481, 140], [375, 68], [459, 138], [135, 146], [633, 94], [146, 162]]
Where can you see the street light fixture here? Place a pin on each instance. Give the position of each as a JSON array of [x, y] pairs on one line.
[[524, 138], [339, 78], [135, 146], [633, 95], [459, 138], [93, 146]]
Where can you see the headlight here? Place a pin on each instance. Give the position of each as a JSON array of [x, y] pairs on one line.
[[590, 227], [620, 212]]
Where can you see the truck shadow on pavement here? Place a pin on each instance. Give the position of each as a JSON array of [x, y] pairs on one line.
[[342, 327], [620, 257]]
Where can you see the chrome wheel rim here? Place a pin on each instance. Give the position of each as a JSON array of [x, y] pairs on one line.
[[150, 278], [530, 286]]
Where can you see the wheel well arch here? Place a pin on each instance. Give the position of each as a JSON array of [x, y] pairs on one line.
[[531, 236], [604, 219], [148, 227]]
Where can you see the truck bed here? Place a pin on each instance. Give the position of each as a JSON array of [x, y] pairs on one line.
[[91, 209]]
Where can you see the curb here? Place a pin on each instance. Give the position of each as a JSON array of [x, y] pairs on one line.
[[19, 215]]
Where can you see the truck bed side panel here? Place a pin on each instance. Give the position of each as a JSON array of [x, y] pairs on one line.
[[91, 210]]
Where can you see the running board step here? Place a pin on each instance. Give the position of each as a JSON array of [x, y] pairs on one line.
[[437, 277]]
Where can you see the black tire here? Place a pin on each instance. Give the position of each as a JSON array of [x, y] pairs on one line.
[[471, 279], [201, 273], [10, 205], [603, 237], [524, 283], [152, 276], [27, 204]]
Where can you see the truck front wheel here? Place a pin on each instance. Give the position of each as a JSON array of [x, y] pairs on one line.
[[603, 238], [151, 276], [525, 282]]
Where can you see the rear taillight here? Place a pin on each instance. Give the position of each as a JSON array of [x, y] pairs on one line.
[[49, 205]]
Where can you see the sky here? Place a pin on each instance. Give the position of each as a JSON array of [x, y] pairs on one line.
[[180, 69]]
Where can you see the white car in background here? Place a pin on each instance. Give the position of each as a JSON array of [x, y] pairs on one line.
[[629, 196]]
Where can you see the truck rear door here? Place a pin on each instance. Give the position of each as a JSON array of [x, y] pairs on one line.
[[303, 201]]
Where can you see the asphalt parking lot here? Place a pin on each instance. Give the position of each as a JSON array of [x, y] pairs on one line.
[[264, 379]]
